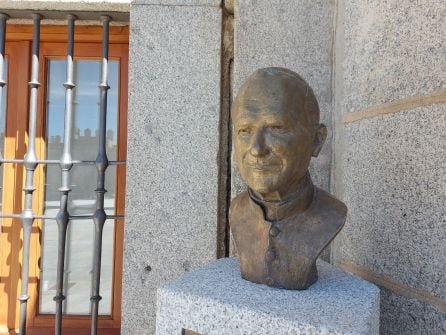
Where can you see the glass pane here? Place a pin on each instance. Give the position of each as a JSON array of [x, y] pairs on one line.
[[79, 247]]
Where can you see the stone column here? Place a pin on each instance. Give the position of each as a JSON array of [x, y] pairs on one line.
[[390, 160], [174, 98]]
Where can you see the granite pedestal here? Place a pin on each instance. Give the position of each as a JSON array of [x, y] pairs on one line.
[[216, 300]]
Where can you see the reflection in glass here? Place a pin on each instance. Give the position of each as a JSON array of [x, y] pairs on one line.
[[79, 252]]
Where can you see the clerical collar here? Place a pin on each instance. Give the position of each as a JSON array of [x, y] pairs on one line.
[[296, 203]]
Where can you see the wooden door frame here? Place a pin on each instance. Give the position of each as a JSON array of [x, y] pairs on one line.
[[53, 46], [15, 146]]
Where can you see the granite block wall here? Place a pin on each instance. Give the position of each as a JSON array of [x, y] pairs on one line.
[[378, 70], [171, 201], [389, 165]]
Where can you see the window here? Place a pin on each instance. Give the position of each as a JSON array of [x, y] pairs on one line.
[[47, 177]]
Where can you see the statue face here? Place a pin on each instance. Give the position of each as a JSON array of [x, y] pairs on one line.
[[273, 140]]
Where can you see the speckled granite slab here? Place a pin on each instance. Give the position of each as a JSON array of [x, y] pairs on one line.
[[216, 300]]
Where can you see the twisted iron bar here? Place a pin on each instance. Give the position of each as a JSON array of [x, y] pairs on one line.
[[63, 217], [30, 163], [101, 166], [3, 19]]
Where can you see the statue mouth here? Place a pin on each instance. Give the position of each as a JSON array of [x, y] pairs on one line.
[[265, 167]]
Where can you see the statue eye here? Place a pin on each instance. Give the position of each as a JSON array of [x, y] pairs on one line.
[[278, 128], [244, 131]]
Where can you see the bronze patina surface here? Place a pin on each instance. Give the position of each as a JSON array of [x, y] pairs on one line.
[[283, 222]]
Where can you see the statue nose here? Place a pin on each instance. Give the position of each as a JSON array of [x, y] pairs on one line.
[[258, 145]]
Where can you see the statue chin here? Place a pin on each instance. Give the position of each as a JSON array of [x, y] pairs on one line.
[[263, 184], [264, 191]]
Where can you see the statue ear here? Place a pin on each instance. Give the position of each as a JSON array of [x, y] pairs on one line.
[[319, 139]]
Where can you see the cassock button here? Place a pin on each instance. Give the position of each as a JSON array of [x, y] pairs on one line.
[[270, 256], [274, 231], [269, 281]]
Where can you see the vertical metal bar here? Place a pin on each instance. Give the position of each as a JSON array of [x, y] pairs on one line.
[[3, 19], [66, 164], [101, 165], [30, 162]]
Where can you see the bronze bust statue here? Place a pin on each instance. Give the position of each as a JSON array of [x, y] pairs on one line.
[[283, 222]]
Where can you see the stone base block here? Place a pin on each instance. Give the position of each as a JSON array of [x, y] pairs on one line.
[[216, 300]]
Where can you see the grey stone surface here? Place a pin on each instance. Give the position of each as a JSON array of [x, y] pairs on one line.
[[408, 316], [171, 199], [216, 300], [390, 170], [293, 34], [67, 5], [393, 180], [393, 49], [178, 2]]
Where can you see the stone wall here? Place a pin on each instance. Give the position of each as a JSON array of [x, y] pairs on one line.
[[378, 70], [174, 98], [389, 165]]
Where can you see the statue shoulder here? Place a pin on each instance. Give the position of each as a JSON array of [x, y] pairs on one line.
[[331, 207], [238, 204]]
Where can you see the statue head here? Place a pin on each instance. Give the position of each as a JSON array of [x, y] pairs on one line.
[[276, 131]]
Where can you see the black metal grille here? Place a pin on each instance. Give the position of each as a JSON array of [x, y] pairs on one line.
[[66, 163]]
